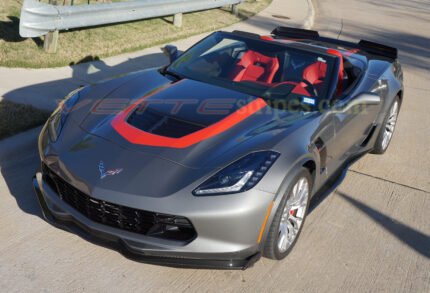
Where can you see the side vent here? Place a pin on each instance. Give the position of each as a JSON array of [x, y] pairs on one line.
[[369, 136], [323, 154]]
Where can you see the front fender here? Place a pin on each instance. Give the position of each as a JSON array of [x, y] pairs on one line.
[[287, 181]]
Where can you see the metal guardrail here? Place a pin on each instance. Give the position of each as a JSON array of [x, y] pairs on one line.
[[37, 19]]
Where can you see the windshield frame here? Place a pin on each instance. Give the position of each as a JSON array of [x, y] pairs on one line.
[[298, 47]]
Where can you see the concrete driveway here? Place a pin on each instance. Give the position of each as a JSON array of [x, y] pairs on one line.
[[372, 234]]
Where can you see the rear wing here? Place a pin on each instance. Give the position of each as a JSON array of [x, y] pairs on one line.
[[366, 46]]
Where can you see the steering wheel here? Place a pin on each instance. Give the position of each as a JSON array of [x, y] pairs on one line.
[[310, 86]]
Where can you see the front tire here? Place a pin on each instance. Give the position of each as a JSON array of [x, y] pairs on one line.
[[290, 216], [387, 130]]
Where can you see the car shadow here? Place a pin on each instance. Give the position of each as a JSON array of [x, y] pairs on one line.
[[17, 172], [413, 238]]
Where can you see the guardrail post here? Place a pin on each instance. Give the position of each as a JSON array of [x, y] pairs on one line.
[[235, 9], [50, 43], [177, 19]]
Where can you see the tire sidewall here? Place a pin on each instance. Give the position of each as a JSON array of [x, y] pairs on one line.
[[378, 148], [277, 218]]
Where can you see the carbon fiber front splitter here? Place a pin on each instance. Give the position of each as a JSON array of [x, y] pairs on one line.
[[110, 241]]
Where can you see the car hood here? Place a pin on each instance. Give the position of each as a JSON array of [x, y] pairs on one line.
[[103, 169], [182, 103]]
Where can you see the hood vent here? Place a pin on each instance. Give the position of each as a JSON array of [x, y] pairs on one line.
[[156, 123]]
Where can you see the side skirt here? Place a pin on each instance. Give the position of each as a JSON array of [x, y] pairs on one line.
[[333, 181]]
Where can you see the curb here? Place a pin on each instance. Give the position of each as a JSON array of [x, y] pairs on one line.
[[310, 17]]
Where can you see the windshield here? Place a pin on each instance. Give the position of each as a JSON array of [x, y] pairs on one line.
[[265, 69]]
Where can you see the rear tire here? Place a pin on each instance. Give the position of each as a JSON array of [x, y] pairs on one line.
[[387, 130], [290, 216]]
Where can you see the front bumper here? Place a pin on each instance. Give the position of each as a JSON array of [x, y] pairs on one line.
[[226, 255]]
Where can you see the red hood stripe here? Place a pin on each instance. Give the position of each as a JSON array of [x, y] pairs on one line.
[[137, 136]]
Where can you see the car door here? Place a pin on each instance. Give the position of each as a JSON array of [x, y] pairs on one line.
[[353, 119]]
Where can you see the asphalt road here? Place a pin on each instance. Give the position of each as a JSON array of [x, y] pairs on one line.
[[372, 234]]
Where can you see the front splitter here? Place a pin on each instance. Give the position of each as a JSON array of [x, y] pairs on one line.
[[111, 241]]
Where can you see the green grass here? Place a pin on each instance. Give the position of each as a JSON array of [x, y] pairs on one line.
[[104, 41], [15, 118]]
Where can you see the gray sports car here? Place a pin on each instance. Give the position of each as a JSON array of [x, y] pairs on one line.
[[212, 160]]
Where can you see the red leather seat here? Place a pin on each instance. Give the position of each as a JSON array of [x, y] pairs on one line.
[[315, 73], [256, 67]]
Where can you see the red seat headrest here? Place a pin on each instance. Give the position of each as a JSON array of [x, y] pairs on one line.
[[266, 38], [315, 72], [256, 67]]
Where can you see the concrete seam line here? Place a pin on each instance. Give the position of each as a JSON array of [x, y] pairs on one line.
[[310, 17], [389, 181]]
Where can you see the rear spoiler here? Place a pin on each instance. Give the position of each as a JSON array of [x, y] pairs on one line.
[[367, 46]]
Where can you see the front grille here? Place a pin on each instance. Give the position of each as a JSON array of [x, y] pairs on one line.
[[122, 217]]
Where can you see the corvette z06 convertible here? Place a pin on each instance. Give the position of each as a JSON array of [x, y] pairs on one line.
[[212, 160]]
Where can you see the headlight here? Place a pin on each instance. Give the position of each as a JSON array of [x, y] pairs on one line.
[[240, 176], [58, 118]]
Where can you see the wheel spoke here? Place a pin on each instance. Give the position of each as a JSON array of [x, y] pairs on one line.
[[303, 194], [296, 220], [291, 233], [390, 128], [283, 233], [293, 214], [392, 119], [390, 125]]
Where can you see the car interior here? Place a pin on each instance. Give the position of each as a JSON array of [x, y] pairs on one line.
[[237, 63]]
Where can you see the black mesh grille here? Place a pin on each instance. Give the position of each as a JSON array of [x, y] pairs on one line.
[[126, 218], [153, 122]]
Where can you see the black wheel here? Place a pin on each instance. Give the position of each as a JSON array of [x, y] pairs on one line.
[[387, 130], [290, 217]]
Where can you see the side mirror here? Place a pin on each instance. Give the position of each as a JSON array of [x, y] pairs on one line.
[[171, 52], [361, 100]]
